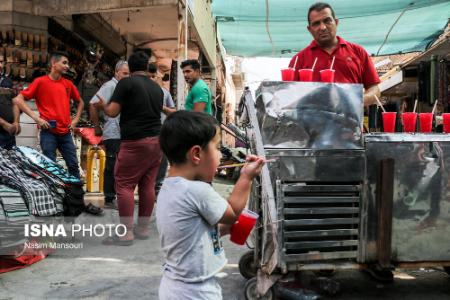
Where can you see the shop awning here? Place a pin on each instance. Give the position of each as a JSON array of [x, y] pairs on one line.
[[278, 28]]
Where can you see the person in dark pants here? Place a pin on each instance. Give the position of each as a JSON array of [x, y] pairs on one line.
[[9, 113], [111, 130], [139, 101], [53, 93], [168, 102]]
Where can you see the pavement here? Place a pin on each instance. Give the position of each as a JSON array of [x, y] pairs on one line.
[[134, 272]]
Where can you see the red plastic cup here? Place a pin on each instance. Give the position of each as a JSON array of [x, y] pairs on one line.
[[327, 75], [305, 74], [409, 121], [446, 122], [389, 121], [426, 122], [287, 74], [240, 230]]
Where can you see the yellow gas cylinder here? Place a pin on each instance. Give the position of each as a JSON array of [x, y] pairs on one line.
[[95, 153]]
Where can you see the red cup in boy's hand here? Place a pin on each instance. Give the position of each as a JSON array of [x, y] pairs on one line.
[[240, 230]]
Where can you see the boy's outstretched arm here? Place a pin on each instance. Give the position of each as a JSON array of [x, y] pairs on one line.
[[241, 191]]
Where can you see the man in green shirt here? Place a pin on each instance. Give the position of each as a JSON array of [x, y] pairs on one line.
[[199, 97]]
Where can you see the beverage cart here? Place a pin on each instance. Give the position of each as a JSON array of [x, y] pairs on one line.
[[335, 198]]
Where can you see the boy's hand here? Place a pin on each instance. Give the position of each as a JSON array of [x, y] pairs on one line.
[[253, 166]]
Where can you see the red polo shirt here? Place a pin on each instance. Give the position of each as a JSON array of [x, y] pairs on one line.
[[53, 100], [352, 63]]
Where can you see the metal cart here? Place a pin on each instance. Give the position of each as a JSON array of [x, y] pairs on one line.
[[336, 198]]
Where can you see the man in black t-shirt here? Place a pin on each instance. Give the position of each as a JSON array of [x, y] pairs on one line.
[[139, 101], [9, 113]]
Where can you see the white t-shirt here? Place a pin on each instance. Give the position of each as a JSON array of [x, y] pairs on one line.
[[112, 125], [187, 216]]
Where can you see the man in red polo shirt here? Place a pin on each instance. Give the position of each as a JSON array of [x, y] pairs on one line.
[[352, 63], [53, 93]]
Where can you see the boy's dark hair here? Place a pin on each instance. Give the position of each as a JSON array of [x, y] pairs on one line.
[[318, 6], [191, 62], [138, 61], [57, 55], [152, 68], [184, 129]]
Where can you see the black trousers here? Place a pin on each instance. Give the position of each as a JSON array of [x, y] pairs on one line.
[[112, 149]]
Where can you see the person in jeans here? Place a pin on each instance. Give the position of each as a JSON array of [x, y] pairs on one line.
[[168, 102], [139, 101], [53, 93], [111, 131]]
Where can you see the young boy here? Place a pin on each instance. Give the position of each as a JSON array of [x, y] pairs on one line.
[[189, 210]]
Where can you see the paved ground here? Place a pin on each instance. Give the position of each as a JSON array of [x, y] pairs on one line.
[[107, 272]]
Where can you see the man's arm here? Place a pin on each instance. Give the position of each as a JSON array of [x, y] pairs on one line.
[[78, 115], [199, 106], [370, 93], [112, 109], [16, 123], [6, 126], [93, 115], [168, 110], [19, 100]]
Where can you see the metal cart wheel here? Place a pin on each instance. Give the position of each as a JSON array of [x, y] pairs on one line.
[[252, 294], [247, 266], [447, 269]]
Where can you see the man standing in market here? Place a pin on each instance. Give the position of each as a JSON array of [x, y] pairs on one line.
[[139, 101], [352, 64], [9, 113], [199, 97], [111, 130], [53, 93]]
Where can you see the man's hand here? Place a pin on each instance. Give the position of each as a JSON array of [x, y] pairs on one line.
[[42, 123], [100, 104], [17, 128], [253, 166], [73, 124], [98, 130], [9, 128]]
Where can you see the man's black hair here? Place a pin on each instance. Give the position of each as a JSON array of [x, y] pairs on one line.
[[318, 6], [152, 68], [138, 61], [191, 62], [184, 129], [57, 55]]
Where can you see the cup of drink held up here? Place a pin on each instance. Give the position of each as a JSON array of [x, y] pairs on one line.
[[240, 230]]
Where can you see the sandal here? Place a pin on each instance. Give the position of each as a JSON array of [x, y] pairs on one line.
[[140, 236], [116, 241], [94, 210]]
